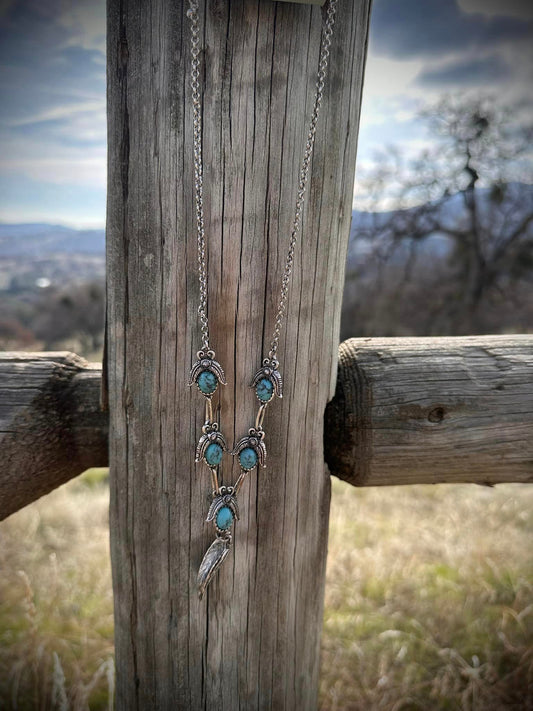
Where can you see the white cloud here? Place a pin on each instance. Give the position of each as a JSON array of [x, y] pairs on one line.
[[389, 78], [85, 22], [59, 165], [510, 8], [68, 218], [60, 112], [89, 172]]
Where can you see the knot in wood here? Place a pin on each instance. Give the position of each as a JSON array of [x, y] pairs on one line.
[[436, 414]]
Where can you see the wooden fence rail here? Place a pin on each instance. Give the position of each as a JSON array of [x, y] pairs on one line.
[[432, 410], [405, 411], [51, 425]]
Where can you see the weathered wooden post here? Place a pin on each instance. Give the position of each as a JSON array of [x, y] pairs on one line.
[[254, 642]]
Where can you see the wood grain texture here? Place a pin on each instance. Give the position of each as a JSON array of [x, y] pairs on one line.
[[432, 410], [306, 2], [51, 424], [254, 642]]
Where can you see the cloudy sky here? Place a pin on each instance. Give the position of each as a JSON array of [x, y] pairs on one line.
[[52, 89]]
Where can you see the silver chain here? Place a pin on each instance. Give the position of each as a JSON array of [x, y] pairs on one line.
[[198, 169], [192, 14]]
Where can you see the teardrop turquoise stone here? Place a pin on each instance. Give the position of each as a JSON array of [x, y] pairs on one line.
[[264, 389], [224, 518], [213, 454], [207, 382], [248, 458]]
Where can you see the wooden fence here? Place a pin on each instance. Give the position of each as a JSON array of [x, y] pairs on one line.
[[405, 411]]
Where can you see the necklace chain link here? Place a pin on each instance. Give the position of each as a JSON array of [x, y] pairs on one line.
[[198, 169], [302, 185]]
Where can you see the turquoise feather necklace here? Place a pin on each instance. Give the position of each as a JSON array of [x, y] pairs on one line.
[[206, 372]]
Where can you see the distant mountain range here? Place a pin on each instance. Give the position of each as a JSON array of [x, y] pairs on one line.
[[40, 240], [36, 256], [41, 254]]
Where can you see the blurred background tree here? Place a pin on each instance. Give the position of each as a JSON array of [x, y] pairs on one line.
[[454, 255], [70, 317], [75, 312]]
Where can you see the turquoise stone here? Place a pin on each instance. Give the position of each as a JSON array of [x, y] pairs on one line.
[[224, 518], [264, 389], [213, 454], [207, 382], [248, 458]]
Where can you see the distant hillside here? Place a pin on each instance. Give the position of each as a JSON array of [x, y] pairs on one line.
[[42, 240], [34, 256]]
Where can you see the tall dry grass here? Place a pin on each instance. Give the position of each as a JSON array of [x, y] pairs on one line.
[[429, 600], [56, 607]]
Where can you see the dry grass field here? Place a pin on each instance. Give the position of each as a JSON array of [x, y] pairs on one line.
[[429, 601]]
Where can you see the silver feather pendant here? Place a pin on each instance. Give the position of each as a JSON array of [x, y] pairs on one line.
[[212, 560], [223, 512]]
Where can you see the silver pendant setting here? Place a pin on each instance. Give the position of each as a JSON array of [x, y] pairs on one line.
[[251, 449], [207, 373], [211, 445], [224, 509], [268, 381]]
